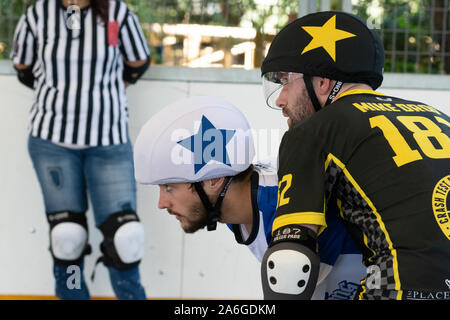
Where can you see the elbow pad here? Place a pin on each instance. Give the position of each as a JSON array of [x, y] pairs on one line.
[[290, 266], [26, 77], [132, 74]]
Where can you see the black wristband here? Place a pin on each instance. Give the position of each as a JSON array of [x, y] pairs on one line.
[[296, 233], [26, 77], [132, 74]]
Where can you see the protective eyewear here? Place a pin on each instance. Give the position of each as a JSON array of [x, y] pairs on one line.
[[273, 84]]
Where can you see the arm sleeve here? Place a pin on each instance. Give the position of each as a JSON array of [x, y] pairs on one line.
[[24, 44], [133, 44], [301, 174]]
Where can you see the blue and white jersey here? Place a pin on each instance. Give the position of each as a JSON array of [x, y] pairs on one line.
[[341, 268]]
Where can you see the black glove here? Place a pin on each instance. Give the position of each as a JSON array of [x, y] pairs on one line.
[[26, 76]]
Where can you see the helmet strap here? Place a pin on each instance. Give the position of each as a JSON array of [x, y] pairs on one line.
[[336, 88], [212, 212], [312, 94]]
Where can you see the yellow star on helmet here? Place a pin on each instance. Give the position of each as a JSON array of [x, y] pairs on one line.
[[326, 37]]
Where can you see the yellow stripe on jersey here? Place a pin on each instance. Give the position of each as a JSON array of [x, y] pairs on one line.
[[363, 282], [341, 213], [317, 218], [367, 245], [378, 218], [359, 91], [339, 204]]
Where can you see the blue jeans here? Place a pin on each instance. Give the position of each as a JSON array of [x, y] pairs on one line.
[[66, 176]]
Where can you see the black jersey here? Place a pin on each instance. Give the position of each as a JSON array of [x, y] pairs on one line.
[[385, 162]]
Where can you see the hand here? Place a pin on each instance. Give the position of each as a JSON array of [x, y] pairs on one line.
[[21, 66]]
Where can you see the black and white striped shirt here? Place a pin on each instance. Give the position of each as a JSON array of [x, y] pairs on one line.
[[79, 96]]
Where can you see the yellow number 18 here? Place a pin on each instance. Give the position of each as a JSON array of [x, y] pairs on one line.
[[403, 152]]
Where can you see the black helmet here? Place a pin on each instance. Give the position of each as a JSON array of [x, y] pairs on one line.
[[330, 44]]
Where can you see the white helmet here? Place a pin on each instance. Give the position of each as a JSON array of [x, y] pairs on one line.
[[191, 140]]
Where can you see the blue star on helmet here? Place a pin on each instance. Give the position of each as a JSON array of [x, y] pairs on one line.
[[208, 144]]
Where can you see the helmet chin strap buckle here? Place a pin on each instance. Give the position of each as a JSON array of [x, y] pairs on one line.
[[213, 218]]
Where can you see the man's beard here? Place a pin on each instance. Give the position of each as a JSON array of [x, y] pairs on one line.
[[197, 219], [302, 109]]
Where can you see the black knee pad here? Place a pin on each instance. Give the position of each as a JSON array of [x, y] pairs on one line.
[[123, 244], [68, 237]]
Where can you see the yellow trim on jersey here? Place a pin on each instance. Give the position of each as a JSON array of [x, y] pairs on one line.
[[341, 213], [378, 217], [358, 91], [362, 283], [339, 204], [317, 218], [367, 246], [364, 287]]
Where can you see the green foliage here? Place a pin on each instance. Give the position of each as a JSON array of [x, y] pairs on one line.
[[406, 27], [10, 12], [412, 34]]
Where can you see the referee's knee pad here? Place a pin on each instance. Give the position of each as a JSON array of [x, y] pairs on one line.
[[123, 244], [68, 237]]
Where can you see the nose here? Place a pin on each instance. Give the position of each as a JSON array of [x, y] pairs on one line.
[[163, 202], [281, 101]]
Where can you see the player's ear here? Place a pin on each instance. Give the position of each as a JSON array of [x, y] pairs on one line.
[[323, 85], [214, 185]]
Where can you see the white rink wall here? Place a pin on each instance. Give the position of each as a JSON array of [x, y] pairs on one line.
[[205, 265]]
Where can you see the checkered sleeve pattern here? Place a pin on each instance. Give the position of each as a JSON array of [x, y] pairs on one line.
[[357, 211]]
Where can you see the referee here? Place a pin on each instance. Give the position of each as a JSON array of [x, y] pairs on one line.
[[79, 56]]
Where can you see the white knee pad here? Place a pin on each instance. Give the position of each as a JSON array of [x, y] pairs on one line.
[[68, 240], [123, 245], [129, 242], [68, 236]]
